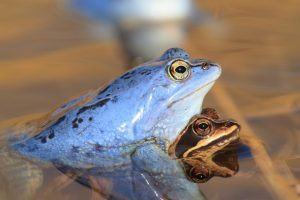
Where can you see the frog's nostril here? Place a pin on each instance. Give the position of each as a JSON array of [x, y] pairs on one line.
[[232, 123], [205, 66], [229, 123]]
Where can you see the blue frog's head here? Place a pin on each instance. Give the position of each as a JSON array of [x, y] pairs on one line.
[[162, 95]]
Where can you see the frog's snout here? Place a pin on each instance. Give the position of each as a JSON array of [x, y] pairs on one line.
[[232, 123], [210, 66], [215, 65]]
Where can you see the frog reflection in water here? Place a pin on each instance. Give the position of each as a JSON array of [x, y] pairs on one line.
[[203, 147], [130, 123]]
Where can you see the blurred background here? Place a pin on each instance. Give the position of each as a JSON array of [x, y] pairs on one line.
[[51, 51]]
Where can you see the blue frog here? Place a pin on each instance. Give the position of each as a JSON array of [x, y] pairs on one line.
[[131, 122]]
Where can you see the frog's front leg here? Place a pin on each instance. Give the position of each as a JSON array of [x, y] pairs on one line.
[[163, 174], [151, 158]]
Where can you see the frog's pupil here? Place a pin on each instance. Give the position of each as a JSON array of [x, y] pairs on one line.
[[203, 126], [180, 69], [200, 176]]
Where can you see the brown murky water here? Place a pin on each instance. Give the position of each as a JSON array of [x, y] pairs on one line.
[[46, 57]]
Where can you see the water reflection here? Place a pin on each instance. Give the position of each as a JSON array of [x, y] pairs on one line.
[[20, 178], [222, 164], [136, 184]]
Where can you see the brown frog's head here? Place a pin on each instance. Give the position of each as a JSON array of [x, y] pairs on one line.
[[197, 146], [204, 135]]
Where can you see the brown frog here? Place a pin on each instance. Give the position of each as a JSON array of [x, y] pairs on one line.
[[206, 146]]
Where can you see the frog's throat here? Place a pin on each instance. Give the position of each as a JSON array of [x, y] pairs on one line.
[[206, 87], [214, 143]]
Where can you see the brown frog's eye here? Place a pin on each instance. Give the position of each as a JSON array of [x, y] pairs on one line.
[[202, 127], [179, 70], [199, 176]]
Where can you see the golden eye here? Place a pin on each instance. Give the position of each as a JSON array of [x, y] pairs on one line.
[[202, 127], [179, 70]]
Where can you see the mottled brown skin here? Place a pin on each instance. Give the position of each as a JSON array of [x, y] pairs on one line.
[[199, 145]]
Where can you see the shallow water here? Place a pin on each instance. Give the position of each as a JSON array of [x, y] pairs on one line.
[[47, 55]]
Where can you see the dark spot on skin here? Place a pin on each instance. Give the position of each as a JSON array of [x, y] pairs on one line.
[[21, 145], [74, 121], [51, 135], [98, 147], [107, 94], [132, 82], [89, 154], [32, 148], [114, 99], [104, 90], [146, 72], [75, 149], [90, 118], [165, 85], [127, 75], [80, 120], [59, 120], [44, 140], [75, 125], [93, 106]]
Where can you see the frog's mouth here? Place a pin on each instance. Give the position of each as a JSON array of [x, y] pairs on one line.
[[214, 143], [202, 91]]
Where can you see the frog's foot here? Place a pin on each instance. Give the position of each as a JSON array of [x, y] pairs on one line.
[[152, 159]]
